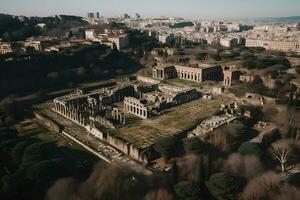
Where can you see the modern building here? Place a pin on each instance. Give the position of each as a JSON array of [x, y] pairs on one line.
[[119, 41], [126, 16], [37, 44], [229, 42], [5, 48], [207, 29], [40, 25], [90, 15], [90, 34], [276, 45], [166, 38]]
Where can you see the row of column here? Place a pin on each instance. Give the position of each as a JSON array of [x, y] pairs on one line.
[[60, 108], [136, 110], [158, 73], [189, 76], [72, 114], [227, 81], [211, 75], [118, 116]]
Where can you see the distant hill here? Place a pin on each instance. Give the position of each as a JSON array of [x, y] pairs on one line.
[[280, 19], [14, 28]]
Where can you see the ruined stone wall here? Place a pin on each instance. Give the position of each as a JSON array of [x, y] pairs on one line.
[[186, 96], [134, 106], [147, 79], [189, 73], [104, 122], [118, 94], [214, 73], [119, 144], [144, 88], [139, 154], [96, 132], [105, 100]]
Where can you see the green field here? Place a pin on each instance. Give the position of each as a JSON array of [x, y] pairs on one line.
[[30, 128], [176, 120]]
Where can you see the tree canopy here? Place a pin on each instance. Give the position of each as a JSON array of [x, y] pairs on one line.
[[165, 146], [13, 28], [249, 148], [188, 191], [222, 186], [193, 145]]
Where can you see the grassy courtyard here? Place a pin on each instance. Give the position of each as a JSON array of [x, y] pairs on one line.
[[176, 120]]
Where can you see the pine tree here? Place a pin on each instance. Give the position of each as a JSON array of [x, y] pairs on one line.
[[203, 170], [174, 172]]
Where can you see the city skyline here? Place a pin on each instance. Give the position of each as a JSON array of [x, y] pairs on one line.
[[187, 9]]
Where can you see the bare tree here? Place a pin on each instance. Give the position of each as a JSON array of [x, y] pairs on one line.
[[281, 153], [219, 141]]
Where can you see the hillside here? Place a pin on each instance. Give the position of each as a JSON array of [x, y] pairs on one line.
[[16, 28]]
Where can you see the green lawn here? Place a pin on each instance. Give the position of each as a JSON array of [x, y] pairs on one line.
[[29, 127], [147, 71], [177, 120]]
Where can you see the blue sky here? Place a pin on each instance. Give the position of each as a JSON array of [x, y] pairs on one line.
[[178, 8]]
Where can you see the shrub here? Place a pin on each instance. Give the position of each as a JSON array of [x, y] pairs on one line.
[[249, 148]]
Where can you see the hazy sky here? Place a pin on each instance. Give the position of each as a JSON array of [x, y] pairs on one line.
[[178, 8]]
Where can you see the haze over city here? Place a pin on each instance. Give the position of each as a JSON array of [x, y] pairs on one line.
[[192, 9]]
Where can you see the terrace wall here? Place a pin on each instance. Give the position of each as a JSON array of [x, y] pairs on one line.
[[47, 122]]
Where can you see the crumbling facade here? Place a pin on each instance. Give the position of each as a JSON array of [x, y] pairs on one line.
[[153, 103], [198, 73], [164, 72], [136, 107], [230, 76], [81, 108], [109, 107]]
